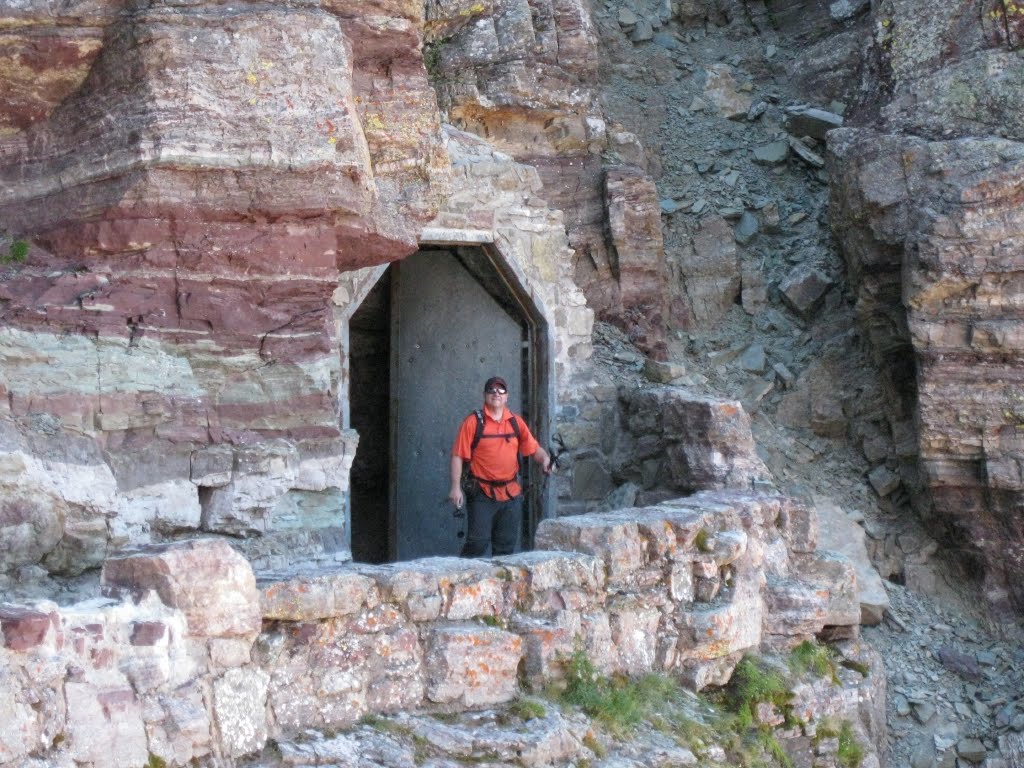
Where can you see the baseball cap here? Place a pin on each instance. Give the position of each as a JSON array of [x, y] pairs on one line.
[[495, 381]]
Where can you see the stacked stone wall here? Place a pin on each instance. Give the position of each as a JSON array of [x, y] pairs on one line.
[[192, 657]]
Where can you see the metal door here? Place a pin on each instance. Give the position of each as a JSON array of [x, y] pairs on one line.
[[449, 336]]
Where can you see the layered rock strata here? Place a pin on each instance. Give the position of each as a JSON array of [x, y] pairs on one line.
[[173, 349], [927, 206], [523, 75], [175, 663]]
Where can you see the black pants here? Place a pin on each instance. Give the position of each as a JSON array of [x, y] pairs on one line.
[[492, 525]]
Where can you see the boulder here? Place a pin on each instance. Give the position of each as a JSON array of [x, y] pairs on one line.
[[205, 579], [837, 532]]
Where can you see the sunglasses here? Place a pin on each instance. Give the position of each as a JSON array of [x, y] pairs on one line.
[[496, 391]]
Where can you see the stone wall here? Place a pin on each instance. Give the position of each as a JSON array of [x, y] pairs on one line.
[[190, 657]]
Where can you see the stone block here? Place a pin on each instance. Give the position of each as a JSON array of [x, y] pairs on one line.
[[773, 153], [212, 465], [815, 123], [883, 480], [546, 647], [795, 607], [721, 90], [634, 629], [104, 726], [480, 597], [184, 733], [21, 731], [799, 523], [839, 533], [471, 665], [240, 706], [206, 579], [722, 630], [312, 597], [555, 581], [591, 479], [663, 372], [614, 538], [712, 446], [25, 628]]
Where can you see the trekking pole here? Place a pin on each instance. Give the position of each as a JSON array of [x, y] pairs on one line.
[[554, 456]]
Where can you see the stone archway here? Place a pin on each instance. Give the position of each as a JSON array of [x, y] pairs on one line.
[[416, 360]]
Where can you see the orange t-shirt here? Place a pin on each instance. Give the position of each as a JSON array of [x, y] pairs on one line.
[[495, 457]]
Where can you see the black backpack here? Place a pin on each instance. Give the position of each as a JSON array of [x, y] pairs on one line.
[[469, 482]]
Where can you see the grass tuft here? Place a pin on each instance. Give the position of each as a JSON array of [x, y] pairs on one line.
[[851, 753], [817, 659], [752, 684], [16, 254], [527, 709], [618, 703]]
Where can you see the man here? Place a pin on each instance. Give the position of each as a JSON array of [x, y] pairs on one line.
[[495, 500]]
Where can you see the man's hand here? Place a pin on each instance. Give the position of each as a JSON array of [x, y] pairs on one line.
[[541, 457], [455, 497], [455, 482]]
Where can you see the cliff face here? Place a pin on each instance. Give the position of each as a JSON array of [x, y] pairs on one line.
[[927, 206], [192, 180], [523, 75]]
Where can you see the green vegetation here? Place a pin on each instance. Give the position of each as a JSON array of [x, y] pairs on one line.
[[617, 703], [432, 58], [851, 753], [16, 253], [527, 709], [814, 658], [155, 762], [725, 719], [772, 747], [703, 541], [856, 666], [754, 683]]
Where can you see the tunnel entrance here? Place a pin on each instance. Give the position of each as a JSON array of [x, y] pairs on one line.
[[426, 336]]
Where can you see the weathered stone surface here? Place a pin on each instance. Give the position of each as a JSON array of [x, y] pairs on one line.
[[772, 154], [21, 731], [471, 666], [630, 588], [707, 442], [631, 200], [105, 725], [804, 288], [239, 704], [709, 270], [955, 206], [320, 595], [25, 628], [720, 89], [839, 533], [207, 580], [815, 123]]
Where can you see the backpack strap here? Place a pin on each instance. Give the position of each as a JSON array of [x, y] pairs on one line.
[[480, 430]]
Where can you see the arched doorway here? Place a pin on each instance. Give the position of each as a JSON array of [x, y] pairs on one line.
[[421, 344]]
